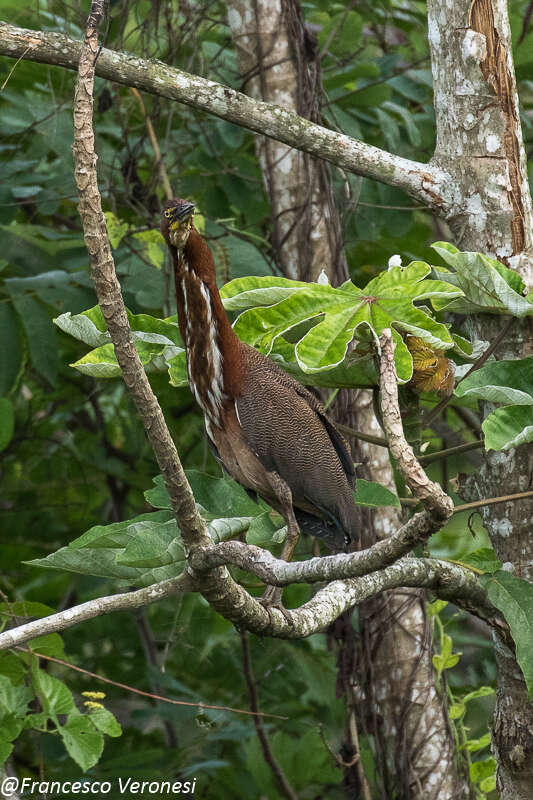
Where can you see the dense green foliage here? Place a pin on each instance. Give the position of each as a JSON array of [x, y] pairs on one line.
[[73, 456]]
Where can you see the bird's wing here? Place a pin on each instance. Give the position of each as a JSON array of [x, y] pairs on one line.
[[264, 368], [289, 437]]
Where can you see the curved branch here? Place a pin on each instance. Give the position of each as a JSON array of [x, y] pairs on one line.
[[437, 502], [276, 572], [425, 182], [448, 581]]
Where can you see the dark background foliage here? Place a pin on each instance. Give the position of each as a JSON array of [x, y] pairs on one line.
[[72, 450]]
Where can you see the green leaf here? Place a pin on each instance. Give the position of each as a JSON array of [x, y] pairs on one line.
[[157, 342], [337, 315], [483, 559], [13, 699], [56, 697], [480, 770], [457, 710], [88, 327], [514, 598], [12, 348], [116, 230], [153, 246], [436, 607], [117, 534], [407, 118], [40, 334], [508, 382], [445, 659], [101, 562], [374, 495], [7, 422], [472, 745], [177, 369], [264, 529], [99, 363], [105, 721], [355, 370], [152, 544], [252, 291], [508, 427], [488, 785], [49, 645], [487, 284], [6, 748], [83, 743], [244, 258], [483, 691], [25, 608], [102, 362], [220, 497]]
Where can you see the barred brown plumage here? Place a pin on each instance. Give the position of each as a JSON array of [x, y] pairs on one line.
[[268, 431]]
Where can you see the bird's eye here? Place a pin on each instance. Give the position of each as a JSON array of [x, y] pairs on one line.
[[167, 213]]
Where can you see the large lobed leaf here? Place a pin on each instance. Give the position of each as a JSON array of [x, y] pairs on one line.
[[333, 317]]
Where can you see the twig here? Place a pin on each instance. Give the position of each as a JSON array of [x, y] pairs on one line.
[[147, 694], [269, 756], [354, 736], [146, 635], [429, 493], [491, 501], [155, 144], [109, 295], [450, 451], [218, 587], [365, 437], [13, 68], [446, 580]]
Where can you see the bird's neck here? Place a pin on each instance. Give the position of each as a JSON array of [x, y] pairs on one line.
[[214, 358]]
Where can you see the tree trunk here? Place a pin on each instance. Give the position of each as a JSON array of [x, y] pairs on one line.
[[479, 143], [277, 61], [414, 740]]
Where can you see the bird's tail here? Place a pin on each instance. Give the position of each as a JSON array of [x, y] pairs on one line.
[[329, 531]]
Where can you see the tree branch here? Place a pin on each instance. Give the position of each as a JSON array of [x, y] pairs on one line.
[[126, 601], [425, 182], [449, 581], [429, 493], [218, 587], [276, 572]]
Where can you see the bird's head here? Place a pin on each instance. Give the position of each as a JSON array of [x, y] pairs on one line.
[[176, 221]]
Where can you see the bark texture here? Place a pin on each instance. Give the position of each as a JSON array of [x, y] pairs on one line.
[[415, 742], [479, 143], [278, 62]]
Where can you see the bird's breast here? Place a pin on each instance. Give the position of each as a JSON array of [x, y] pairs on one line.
[[200, 330]]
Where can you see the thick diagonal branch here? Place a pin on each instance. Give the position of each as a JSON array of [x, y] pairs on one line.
[[424, 182]]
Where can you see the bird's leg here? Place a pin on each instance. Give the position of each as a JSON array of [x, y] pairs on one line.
[[273, 594]]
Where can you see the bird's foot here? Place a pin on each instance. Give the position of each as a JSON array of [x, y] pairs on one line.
[[272, 598]]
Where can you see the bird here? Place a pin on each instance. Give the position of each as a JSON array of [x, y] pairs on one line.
[[267, 430]]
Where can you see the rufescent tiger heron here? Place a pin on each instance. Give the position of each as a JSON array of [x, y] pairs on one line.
[[267, 430]]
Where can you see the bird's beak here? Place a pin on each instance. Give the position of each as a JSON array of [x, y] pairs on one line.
[[181, 213]]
